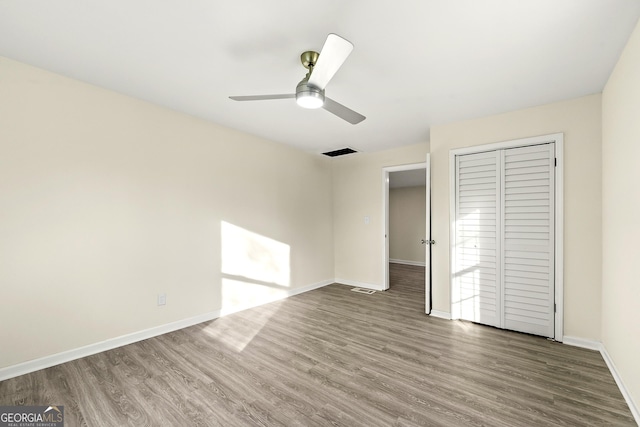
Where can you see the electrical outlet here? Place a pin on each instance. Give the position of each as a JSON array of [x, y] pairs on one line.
[[162, 299]]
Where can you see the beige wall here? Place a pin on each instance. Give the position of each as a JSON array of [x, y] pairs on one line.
[[407, 224], [357, 192], [107, 201], [621, 216], [580, 121]]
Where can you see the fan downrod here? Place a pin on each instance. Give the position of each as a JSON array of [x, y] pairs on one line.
[[309, 59]]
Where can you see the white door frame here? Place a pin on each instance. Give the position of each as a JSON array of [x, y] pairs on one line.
[[385, 224], [558, 139], [429, 244]]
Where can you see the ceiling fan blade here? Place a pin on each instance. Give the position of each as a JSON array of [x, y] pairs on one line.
[[333, 54], [343, 112], [262, 97]]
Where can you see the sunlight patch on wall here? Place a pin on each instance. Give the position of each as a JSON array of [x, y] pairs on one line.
[[253, 256], [255, 270]]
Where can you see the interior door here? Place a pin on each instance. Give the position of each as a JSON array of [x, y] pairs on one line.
[[427, 261], [528, 230], [504, 241], [477, 242]]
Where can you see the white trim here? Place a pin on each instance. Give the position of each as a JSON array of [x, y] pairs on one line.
[[455, 309], [358, 284], [385, 229], [407, 262], [582, 343], [88, 350], [501, 250], [598, 346], [77, 353], [428, 264], [635, 411], [522, 142], [559, 247], [440, 314], [287, 294], [407, 167], [558, 139]]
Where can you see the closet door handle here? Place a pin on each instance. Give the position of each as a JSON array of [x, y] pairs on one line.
[[427, 242]]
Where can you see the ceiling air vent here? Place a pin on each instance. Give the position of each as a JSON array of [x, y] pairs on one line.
[[340, 152]]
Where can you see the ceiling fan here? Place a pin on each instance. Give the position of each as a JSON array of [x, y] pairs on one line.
[[322, 67]]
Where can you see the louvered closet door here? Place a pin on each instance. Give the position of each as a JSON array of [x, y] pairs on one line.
[[528, 239], [477, 249]]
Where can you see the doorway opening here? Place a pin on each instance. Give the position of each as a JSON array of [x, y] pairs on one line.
[[407, 223]]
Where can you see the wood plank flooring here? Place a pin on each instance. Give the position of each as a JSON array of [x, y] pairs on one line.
[[332, 357]]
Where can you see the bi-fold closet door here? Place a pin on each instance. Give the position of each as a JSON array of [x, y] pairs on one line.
[[504, 238]]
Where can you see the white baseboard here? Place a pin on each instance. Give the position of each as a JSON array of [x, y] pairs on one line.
[[88, 350], [598, 346], [287, 294], [77, 353], [406, 262], [348, 282], [441, 314], [623, 389], [582, 343]]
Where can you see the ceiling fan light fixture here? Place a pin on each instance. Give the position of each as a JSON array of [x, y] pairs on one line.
[[309, 100], [310, 90], [309, 96]]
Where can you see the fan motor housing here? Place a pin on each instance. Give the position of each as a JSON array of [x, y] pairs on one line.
[[308, 96]]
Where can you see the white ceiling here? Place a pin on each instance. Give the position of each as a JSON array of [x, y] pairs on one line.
[[416, 63]]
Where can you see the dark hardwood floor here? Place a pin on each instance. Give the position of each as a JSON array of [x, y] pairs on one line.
[[333, 357]]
